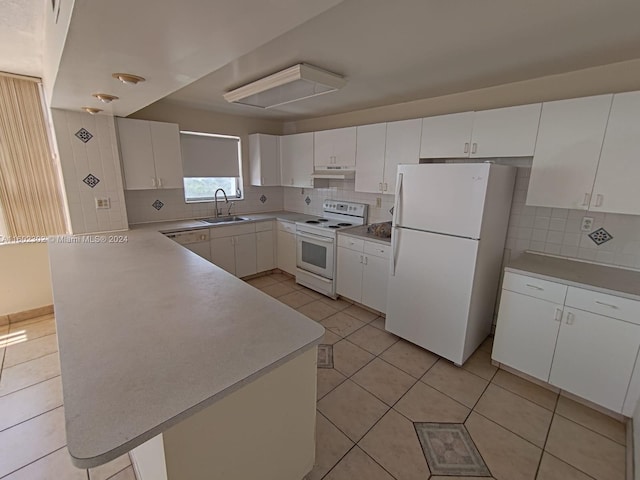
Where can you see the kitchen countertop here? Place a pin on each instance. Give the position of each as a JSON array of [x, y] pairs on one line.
[[150, 334], [361, 232], [605, 279]]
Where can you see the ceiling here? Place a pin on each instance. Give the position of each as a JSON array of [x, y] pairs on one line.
[[394, 52], [21, 35]]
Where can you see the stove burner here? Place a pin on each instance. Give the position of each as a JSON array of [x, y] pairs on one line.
[[334, 226], [314, 222], [322, 220], [345, 224]]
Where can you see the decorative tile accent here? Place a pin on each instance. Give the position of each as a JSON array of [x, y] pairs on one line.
[[91, 180], [325, 356], [600, 236], [84, 135], [449, 450], [157, 205], [391, 210], [307, 200], [263, 198]]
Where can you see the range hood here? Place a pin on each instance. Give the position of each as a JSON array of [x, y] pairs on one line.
[[335, 173]]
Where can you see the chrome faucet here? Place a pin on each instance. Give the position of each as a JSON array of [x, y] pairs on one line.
[[231, 204], [215, 199]]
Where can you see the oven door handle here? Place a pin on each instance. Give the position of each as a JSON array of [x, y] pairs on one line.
[[317, 238]]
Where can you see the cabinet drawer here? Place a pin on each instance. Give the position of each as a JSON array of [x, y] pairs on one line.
[[604, 304], [232, 230], [377, 249], [264, 226], [535, 287], [286, 226], [351, 243]]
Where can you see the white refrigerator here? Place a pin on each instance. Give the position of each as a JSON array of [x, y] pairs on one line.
[[449, 229]]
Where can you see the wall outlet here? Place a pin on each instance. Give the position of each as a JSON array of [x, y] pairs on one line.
[[378, 202], [587, 224], [103, 203]]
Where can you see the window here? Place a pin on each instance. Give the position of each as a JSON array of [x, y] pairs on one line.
[[210, 162]]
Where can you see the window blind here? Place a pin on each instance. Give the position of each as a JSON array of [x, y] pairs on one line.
[[209, 155]]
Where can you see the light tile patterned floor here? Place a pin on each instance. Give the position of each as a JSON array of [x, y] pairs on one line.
[[380, 385], [32, 435]]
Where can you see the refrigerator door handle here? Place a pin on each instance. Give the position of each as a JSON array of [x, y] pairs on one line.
[[394, 249], [396, 216]]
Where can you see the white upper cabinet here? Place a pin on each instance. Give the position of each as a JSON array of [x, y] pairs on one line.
[[151, 155], [335, 148], [505, 132], [402, 147], [370, 148], [616, 185], [296, 160], [264, 159], [446, 136], [567, 151]]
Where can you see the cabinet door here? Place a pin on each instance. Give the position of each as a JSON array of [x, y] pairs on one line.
[[374, 282], [370, 148], [595, 356], [223, 254], [245, 251], [165, 139], [137, 154], [287, 252], [296, 160], [616, 188], [265, 251], [264, 160], [349, 274], [505, 132], [526, 333], [567, 151], [402, 147], [334, 147], [447, 136]]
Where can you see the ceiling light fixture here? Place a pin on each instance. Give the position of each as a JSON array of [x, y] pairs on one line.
[[128, 79], [290, 85], [105, 97], [91, 110]]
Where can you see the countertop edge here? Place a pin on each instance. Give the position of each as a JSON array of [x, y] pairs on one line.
[[369, 238]]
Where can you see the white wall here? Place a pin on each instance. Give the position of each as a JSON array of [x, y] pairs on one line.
[[25, 282], [636, 442], [99, 157]]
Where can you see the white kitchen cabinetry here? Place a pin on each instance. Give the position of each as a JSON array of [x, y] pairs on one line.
[[616, 185], [584, 342], [334, 147], [234, 248], [501, 132], [265, 246], [151, 156], [264, 159], [296, 160], [287, 247], [568, 148], [362, 271], [370, 149], [402, 147]]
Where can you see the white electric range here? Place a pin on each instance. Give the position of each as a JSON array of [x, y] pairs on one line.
[[316, 244]]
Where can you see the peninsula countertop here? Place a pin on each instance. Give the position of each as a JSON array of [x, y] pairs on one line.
[[150, 333]]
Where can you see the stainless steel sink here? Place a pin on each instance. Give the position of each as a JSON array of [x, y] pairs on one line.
[[224, 219]]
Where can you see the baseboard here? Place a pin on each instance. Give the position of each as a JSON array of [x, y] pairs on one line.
[[26, 315]]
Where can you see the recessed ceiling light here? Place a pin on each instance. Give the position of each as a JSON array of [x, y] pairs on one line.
[[105, 97], [290, 85], [91, 110], [127, 78]]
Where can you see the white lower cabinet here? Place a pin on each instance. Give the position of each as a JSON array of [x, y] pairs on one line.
[[362, 271], [287, 247], [234, 249], [265, 246], [582, 341]]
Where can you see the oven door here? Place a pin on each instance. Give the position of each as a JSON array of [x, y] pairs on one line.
[[315, 254]]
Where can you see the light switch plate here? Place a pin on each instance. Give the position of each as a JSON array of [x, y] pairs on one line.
[[103, 203], [587, 224]]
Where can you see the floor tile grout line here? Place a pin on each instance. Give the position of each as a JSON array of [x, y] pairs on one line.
[[29, 386], [567, 463], [34, 358], [546, 437], [37, 460], [32, 418], [511, 431], [117, 473], [522, 396], [589, 428]]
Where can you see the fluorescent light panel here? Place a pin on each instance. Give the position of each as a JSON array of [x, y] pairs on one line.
[[290, 85]]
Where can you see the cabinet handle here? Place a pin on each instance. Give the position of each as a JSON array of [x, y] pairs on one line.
[[385, 187], [380, 186], [570, 318], [587, 198], [535, 287], [153, 181], [607, 304], [475, 148], [366, 261], [558, 315], [361, 259], [466, 147], [159, 182], [262, 180], [599, 199]]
